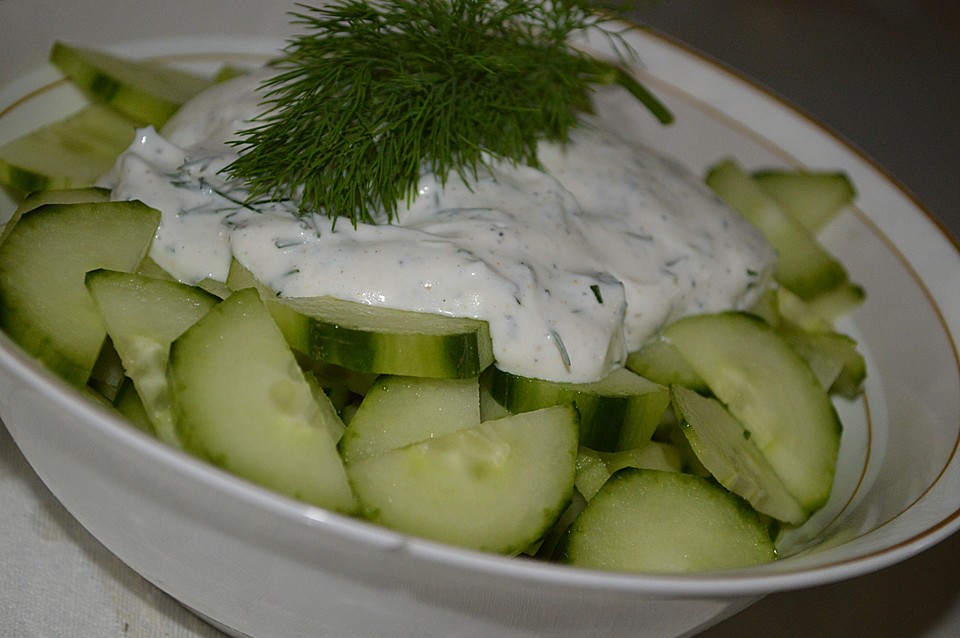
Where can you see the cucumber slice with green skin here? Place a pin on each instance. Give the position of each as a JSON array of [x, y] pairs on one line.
[[331, 418], [670, 433], [838, 302], [79, 195], [490, 408], [240, 277], [808, 327], [833, 357], [803, 265], [662, 363], [766, 307], [108, 374], [214, 287], [591, 474], [849, 383], [373, 339], [398, 411], [546, 548], [340, 385], [726, 449], [822, 311], [146, 92], [619, 412], [69, 153], [291, 323], [57, 196], [665, 522], [241, 401], [813, 198], [496, 487], [143, 316], [772, 391], [98, 398], [150, 268], [595, 468], [44, 304], [386, 341], [128, 403]]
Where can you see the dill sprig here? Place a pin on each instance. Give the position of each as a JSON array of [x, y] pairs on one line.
[[376, 93]]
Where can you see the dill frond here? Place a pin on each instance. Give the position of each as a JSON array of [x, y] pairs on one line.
[[375, 93]]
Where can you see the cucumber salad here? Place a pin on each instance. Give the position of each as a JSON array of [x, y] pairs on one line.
[[596, 358]]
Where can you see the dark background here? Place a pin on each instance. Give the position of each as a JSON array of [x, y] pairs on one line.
[[885, 74]]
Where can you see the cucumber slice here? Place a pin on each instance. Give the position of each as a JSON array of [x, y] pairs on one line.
[[241, 401], [44, 305], [665, 522], [832, 356], [128, 403], [146, 92], [662, 363], [143, 316], [79, 195], [496, 487], [108, 374], [670, 433], [398, 411], [386, 341], [97, 398], [813, 198], [766, 307], [772, 391], [240, 277], [808, 326], [73, 152], [150, 268], [823, 310], [545, 548], [727, 450], [849, 383], [373, 339], [291, 323], [803, 265], [591, 473], [595, 468], [331, 417], [490, 408], [618, 412], [838, 302], [333, 378], [57, 196]]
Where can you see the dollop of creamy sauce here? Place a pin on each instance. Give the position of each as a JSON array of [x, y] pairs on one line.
[[573, 266]]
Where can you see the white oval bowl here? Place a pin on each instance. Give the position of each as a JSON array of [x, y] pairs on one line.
[[257, 564]]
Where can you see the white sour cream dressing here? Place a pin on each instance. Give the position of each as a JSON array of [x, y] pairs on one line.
[[572, 266]]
